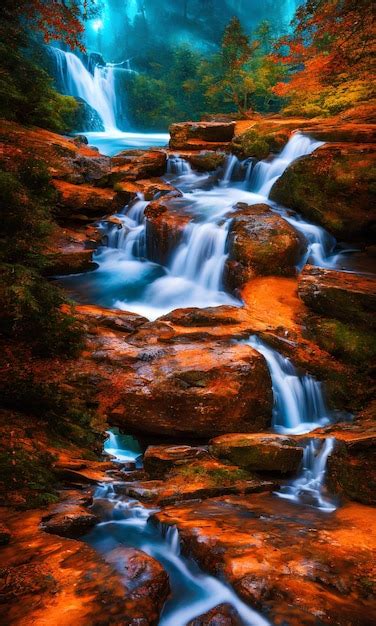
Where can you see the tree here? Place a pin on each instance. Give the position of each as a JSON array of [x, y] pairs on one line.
[[328, 56], [227, 74]]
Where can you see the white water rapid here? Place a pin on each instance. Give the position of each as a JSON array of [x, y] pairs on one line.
[[193, 592], [131, 279]]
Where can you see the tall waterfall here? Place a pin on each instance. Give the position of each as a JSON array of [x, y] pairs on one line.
[[97, 89]]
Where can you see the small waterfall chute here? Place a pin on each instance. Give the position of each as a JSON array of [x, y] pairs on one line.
[[299, 404], [309, 486]]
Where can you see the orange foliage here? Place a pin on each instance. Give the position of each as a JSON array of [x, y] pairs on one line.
[[58, 19]]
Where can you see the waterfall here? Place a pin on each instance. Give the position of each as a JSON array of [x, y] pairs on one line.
[[129, 236], [266, 173], [193, 592], [178, 166], [123, 448], [97, 89], [307, 488], [299, 405]]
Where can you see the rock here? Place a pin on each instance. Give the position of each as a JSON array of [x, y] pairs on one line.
[[352, 468], [211, 316], [122, 321], [260, 243], [285, 560], [259, 452], [206, 160], [71, 262], [199, 390], [69, 521], [259, 142], [77, 164], [342, 295], [194, 135], [137, 164], [88, 200], [85, 118], [221, 615], [80, 140], [145, 579], [149, 187], [165, 226], [333, 187], [5, 534], [159, 460]]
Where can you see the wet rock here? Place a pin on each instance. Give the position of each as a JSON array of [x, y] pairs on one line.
[[285, 560], [145, 579], [259, 452], [260, 243], [352, 468], [260, 141], [194, 135], [87, 200], [211, 316], [343, 295], [164, 229], [69, 521], [159, 460], [5, 534], [123, 321], [149, 187], [222, 615], [206, 161], [196, 389], [334, 188], [137, 164], [71, 262]]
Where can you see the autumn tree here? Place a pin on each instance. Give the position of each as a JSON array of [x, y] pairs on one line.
[[229, 76], [329, 56]]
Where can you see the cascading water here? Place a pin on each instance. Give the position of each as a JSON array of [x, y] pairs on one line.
[[299, 405], [308, 487], [193, 592], [97, 89]]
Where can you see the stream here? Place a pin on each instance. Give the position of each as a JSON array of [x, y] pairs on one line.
[[193, 276]]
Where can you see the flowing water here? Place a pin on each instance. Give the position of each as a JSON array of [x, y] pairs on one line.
[[131, 279], [309, 487], [299, 407], [98, 89], [193, 592]]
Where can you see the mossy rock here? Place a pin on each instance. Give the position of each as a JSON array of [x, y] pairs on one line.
[[259, 452], [334, 187], [259, 143], [352, 470], [206, 161]]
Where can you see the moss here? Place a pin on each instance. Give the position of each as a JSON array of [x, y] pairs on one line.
[[30, 473], [353, 344], [214, 476]]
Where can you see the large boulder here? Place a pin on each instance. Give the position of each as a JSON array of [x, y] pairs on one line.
[[342, 295], [206, 160], [259, 452], [334, 187], [196, 389], [197, 135], [260, 243]]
